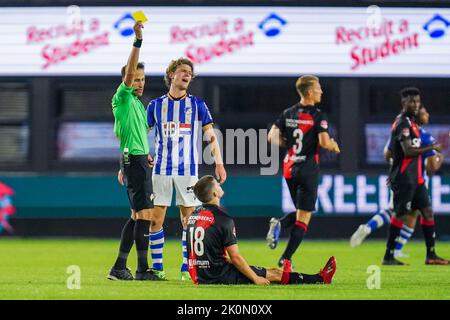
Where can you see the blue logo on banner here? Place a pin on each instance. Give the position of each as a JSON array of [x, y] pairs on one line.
[[271, 26], [436, 26], [127, 30]]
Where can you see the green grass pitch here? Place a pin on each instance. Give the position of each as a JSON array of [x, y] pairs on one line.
[[37, 269]]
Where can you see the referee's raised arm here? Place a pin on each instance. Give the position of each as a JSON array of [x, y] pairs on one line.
[[131, 128], [132, 63]]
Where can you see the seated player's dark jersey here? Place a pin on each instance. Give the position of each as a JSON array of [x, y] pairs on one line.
[[300, 126], [209, 232], [404, 169]]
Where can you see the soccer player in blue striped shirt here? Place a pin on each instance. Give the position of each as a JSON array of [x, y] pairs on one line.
[[179, 119]]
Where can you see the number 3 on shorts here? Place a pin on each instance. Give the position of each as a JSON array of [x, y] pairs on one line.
[[298, 136]]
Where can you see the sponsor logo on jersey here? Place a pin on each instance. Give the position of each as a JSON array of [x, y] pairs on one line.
[[202, 264], [293, 123], [209, 219], [416, 143]]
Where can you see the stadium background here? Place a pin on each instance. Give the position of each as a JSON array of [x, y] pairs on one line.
[[74, 192]]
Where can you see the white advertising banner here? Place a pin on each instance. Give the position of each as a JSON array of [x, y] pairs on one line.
[[228, 41]]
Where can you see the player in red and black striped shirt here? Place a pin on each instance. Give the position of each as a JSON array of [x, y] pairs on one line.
[[302, 129], [212, 237], [406, 178]]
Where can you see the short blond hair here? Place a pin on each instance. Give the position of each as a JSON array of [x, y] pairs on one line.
[[304, 83], [173, 65]]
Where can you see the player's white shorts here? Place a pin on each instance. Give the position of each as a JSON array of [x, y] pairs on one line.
[[184, 187]]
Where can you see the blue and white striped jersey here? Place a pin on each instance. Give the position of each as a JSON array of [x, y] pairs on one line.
[[178, 126]]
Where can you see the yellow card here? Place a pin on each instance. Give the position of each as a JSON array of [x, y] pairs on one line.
[[140, 16]]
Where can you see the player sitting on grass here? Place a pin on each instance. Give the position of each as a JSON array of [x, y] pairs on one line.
[[211, 232]]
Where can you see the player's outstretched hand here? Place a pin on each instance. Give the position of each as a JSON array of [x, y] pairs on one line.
[[261, 281], [120, 177], [221, 174], [138, 26]]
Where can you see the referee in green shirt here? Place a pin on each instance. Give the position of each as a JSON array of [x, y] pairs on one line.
[[131, 128]]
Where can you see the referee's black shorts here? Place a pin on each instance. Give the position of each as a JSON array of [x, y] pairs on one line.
[[409, 197], [304, 184], [138, 180]]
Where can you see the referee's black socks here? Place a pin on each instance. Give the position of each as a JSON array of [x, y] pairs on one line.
[[126, 243], [141, 231]]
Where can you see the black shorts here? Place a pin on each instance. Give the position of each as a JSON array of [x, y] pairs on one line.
[[234, 276], [304, 184], [138, 180], [409, 197]]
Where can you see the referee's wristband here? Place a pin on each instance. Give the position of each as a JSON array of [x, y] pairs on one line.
[[137, 43]]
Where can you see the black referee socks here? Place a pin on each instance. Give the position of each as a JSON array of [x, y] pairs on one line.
[[126, 243], [141, 231]]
